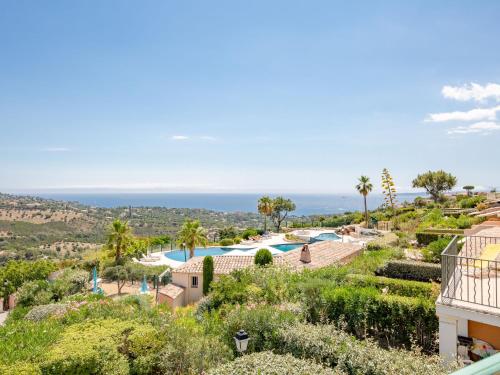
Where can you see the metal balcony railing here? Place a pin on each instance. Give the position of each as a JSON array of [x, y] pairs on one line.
[[470, 273]]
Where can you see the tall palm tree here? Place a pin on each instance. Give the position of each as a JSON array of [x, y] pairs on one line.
[[192, 234], [364, 187], [265, 208], [119, 238]]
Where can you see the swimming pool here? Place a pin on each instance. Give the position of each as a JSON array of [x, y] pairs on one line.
[[326, 237], [178, 255], [287, 246]]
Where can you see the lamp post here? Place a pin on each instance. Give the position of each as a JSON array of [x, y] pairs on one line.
[[241, 339]]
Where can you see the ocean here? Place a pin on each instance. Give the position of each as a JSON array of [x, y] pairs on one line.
[[307, 204]]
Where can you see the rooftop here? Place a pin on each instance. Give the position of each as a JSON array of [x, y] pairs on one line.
[[323, 254], [171, 290]]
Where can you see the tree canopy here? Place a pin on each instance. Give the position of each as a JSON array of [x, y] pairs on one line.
[[435, 183], [363, 187], [192, 234], [281, 208], [265, 208], [119, 238]]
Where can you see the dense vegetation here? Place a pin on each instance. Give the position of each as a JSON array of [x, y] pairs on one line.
[[320, 315], [374, 315]]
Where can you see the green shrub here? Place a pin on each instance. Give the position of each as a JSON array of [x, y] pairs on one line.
[[411, 270], [33, 293], [263, 257], [226, 242], [16, 272], [208, 273], [395, 320], [39, 313], [432, 253], [465, 222], [335, 348], [90, 348], [20, 368], [253, 284], [267, 363], [260, 322], [471, 202], [185, 349], [25, 341], [70, 281], [373, 246], [249, 232], [425, 238], [406, 288]]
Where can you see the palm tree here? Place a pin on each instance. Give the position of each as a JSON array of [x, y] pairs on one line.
[[265, 208], [364, 187], [192, 234], [119, 238]]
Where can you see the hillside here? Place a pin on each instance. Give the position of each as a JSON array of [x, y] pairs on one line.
[[30, 226]]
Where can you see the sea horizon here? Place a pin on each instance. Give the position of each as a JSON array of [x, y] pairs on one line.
[[307, 204]]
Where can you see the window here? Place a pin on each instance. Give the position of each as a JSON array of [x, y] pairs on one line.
[[194, 281]]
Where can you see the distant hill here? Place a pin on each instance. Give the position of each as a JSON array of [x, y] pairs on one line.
[[31, 226]]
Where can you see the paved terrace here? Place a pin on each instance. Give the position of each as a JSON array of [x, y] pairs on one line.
[[323, 254]]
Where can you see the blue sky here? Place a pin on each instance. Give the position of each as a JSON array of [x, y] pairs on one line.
[[239, 96]]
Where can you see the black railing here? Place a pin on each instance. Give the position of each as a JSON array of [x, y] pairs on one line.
[[468, 278]]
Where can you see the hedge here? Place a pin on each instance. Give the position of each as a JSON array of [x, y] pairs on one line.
[[411, 270], [425, 238], [267, 363], [335, 348], [406, 288], [226, 242], [394, 320]]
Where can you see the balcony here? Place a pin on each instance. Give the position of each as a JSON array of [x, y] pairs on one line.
[[470, 269]]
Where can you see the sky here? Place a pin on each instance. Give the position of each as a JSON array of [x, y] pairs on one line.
[[246, 96]]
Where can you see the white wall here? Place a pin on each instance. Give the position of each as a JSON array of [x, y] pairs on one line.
[[448, 332]]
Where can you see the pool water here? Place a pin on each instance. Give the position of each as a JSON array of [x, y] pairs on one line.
[[180, 256], [327, 237], [199, 251], [287, 246]]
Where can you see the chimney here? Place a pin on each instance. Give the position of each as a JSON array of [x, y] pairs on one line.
[[305, 254]]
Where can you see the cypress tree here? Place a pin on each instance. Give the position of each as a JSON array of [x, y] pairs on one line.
[[208, 273]]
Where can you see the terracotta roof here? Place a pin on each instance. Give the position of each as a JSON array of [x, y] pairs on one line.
[[171, 290], [223, 264], [323, 254]]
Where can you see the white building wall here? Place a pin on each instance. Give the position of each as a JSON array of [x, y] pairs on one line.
[[448, 337]]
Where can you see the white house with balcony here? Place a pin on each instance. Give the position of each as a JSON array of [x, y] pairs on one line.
[[469, 304]]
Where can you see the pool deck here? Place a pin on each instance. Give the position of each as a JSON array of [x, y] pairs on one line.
[[159, 258]]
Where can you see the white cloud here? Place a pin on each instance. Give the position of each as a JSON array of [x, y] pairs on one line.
[[477, 114], [472, 91], [208, 138], [484, 127], [56, 149], [179, 137]]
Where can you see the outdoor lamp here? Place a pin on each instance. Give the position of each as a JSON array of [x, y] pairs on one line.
[[241, 340]]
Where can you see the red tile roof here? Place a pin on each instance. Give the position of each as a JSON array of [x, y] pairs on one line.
[[171, 290], [323, 254]]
